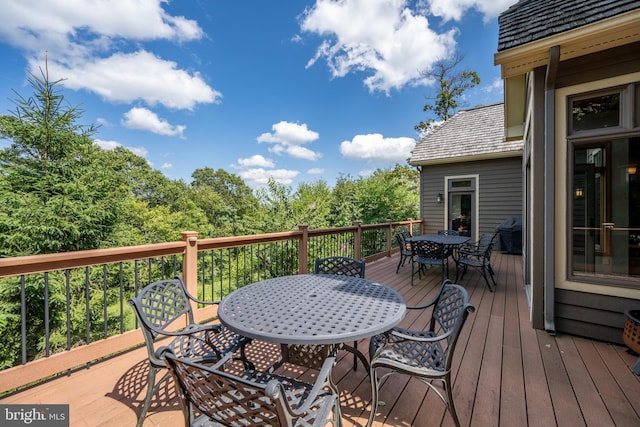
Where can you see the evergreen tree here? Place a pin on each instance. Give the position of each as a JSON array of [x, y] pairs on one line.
[[55, 193]]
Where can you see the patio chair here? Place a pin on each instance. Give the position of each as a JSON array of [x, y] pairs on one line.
[[158, 307], [340, 265], [477, 258], [480, 245], [428, 253], [252, 397], [406, 252], [426, 355]]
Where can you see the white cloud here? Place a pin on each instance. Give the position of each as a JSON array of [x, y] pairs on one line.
[[256, 161], [143, 119], [384, 38], [94, 45], [315, 171], [125, 78], [55, 24], [112, 145], [288, 138], [374, 147], [496, 86], [107, 145], [454, 9], [259, 177], [166, 165], [257, 169], [139, 151]]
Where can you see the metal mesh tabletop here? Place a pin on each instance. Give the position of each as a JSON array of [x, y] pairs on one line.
[[312, 309]]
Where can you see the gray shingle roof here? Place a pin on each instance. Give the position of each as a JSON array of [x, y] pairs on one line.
[[531, 20], [469, 135]]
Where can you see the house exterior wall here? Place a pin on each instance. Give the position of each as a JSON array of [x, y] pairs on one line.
[[499, 191], [580, 308]]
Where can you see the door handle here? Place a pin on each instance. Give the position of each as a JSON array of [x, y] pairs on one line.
[[608, 224]]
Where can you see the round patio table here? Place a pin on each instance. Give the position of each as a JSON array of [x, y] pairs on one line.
[[312, 309]]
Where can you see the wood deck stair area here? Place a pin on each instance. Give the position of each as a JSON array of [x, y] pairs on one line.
[[505, 372]]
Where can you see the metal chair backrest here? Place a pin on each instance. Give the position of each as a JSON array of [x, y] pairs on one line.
[[428, 250], [340, 265], [226, 398], [253, 397], [157, 307], [448, 232], [402, 243], [449, 309]]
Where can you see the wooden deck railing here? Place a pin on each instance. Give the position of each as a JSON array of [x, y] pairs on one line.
[[100, 281]]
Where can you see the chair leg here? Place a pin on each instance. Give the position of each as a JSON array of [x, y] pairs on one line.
[[486, 279], [151, 388], [374, 396], [403, 259], [355, 355], [450, 404]]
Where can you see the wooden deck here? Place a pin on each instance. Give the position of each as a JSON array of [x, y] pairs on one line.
[[505, 372]]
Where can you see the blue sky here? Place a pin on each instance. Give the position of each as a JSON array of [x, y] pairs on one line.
[[294, 90]]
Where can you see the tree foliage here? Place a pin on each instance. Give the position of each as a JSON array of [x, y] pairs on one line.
[[451, 85], [55, 193], [60, 192]]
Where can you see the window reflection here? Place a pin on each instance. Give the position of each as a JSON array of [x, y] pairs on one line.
[[595, 113]]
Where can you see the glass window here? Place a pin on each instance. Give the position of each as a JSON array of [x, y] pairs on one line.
[[595, 113], [606, 209]]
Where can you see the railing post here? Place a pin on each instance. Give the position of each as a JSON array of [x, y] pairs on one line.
[[389, 234], [303, 250], [190, 261], [357, 240], [410, 226]]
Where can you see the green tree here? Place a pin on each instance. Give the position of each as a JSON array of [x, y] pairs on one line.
[[49, 197], [56, 195], [311, 203], [276, 209], [343, 207], [389, 194], [227, 201], [451, 85]]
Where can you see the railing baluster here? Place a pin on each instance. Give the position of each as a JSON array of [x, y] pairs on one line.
[[87, 299], [104, 300], [23, 319], [46, 315], [68, 306], [121, 300]]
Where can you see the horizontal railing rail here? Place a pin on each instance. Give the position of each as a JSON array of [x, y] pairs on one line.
[[63, 311]]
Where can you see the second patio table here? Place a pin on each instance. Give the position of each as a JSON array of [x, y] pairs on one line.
[[312, 309], [446, 239]]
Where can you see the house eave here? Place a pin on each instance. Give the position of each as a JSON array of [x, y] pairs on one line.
[[606, 34], [467, 159]]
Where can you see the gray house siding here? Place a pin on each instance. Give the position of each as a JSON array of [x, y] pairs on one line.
[[580, 313], [593, 316], [499, 191]]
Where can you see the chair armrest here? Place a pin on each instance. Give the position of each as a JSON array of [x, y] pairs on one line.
[[406, 337], [432, 302], [187, 330]]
